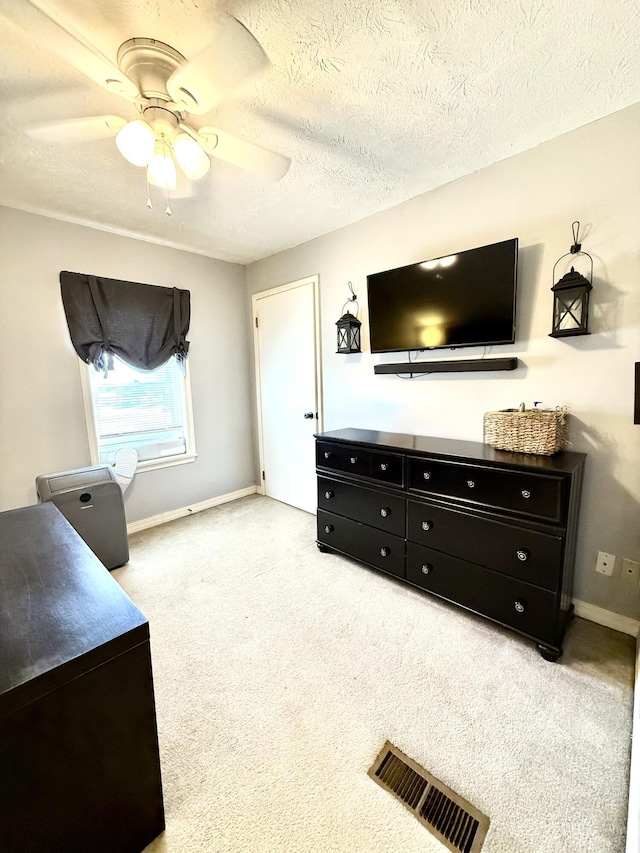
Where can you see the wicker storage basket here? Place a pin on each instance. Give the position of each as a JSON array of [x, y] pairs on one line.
[[541, 431]]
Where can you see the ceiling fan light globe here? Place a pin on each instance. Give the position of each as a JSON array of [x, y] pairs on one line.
[[191, 158], [161, 171], [136, 142]]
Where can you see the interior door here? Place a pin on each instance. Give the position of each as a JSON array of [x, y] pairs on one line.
[[288, 390]]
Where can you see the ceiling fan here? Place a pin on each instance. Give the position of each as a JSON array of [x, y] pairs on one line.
[[165, 89]]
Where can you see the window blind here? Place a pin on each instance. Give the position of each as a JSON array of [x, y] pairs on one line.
[[140, 409]]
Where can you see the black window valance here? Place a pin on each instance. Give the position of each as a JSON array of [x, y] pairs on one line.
[[140, 323]]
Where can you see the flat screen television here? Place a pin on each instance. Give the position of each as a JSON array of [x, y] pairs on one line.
[[465, 299]]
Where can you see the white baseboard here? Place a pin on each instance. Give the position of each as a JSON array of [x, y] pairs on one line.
[[163, 517], [633, 820], [624, 624]]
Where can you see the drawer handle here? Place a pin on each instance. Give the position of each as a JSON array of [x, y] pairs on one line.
[[427, 525], [522, 554], [520, 605], [353, 460], [385, 511], [526, 493], [427, 475], [328, 495], [427, 569], [383, 466], [471, 484], [327, 454], [384, 552], [328, 528]]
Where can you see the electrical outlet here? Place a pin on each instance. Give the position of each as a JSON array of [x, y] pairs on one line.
[[630, 571], [605, 563]]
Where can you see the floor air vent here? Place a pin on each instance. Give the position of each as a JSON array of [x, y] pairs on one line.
[[452, 820]]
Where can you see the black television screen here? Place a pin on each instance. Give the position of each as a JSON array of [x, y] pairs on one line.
[[460, 300]]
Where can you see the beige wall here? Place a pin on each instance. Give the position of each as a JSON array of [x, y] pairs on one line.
[[592, 175], [42, 427]]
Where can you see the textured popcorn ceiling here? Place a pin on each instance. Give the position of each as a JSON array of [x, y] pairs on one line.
[[375, 102]]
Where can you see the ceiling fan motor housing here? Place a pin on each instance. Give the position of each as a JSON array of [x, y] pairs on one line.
[[149, 64]]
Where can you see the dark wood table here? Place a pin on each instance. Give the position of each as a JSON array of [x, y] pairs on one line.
[[79, 762]]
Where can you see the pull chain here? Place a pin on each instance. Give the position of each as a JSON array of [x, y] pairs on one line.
[[166, 182]]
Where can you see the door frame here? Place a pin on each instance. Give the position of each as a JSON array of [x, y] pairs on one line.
[[314, 280]]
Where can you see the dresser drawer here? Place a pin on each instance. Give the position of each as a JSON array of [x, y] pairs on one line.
[[512, 602], [370, 506], [343, 458], [361, 462], [525, 554], [376, 547], [521, 492]]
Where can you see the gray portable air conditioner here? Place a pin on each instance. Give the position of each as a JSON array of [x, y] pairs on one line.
[[91, 501]]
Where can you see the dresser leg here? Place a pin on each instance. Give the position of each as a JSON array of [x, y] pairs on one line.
[[322, 547], [549, 653]]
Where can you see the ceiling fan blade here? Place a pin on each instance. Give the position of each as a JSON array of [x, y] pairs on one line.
[[77, 130], [233, 57], [47, 27], [241, 153]]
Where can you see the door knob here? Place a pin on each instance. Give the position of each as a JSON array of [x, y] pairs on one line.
[[308, 415]]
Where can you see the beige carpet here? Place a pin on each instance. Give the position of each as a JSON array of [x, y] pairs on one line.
[[281, 671]]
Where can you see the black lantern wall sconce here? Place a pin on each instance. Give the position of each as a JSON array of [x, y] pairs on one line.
[[349, 327], [571, 295]]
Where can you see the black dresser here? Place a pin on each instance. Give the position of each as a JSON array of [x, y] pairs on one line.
[[79, 762], [486, 529]]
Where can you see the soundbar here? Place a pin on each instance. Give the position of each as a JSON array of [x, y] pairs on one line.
[[461, 366]]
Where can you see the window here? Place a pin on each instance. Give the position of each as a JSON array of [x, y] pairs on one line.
[[149, 410]]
